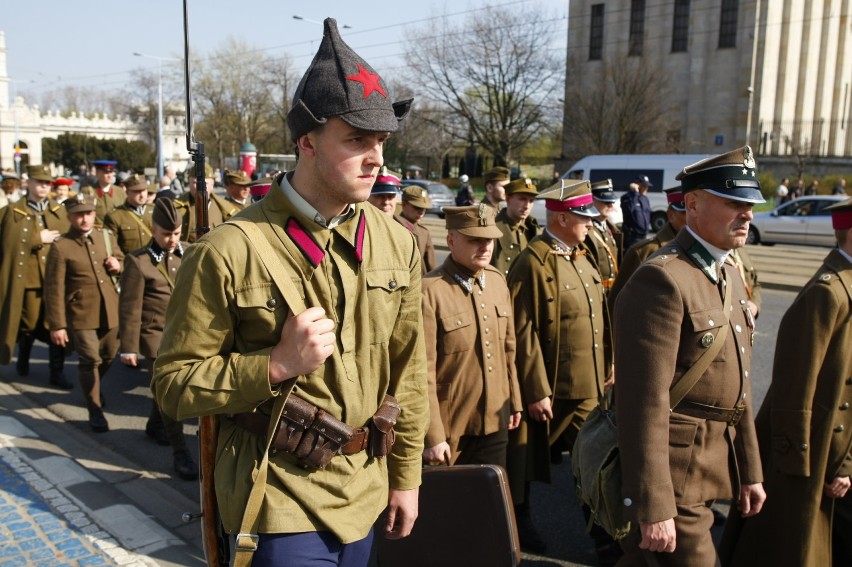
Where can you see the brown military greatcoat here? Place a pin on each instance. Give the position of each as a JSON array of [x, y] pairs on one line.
[[130, 229], [470, 354], [665, 317], [635, 255], [147, 283], [424, 243], [804, 428], [23, 259], [515, 238], [78, 291]]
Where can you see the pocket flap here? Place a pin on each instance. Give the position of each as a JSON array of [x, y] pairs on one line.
[[388, 279], [454, 322], [264, 296], [707, 319], [503, 309]]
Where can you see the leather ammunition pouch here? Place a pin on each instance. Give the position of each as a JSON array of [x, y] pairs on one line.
[[314, 437]]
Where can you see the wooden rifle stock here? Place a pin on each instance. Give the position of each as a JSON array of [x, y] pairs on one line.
[[216, 541]]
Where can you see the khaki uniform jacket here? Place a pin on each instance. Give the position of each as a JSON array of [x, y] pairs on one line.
[[507, 248], [662, 314], [147, 283], [236, 207], [105, 203], [744, 265], [78, 291], [23, 260], [604, 250], [220, 330], [424, 243], [804, 427], [218, 210], [470, 355], [132, 231], [635, 256]]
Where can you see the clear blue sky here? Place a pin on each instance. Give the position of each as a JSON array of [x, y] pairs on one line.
[[91, 42]]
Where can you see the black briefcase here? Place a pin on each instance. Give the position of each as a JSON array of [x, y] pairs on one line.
[[466, 518]]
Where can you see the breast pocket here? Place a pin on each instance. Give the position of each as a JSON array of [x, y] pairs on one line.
[[261, 309], [384, 294], [503, 311], [458, 333], [706, 324]]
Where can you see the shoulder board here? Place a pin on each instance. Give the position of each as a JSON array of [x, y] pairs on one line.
[[19, 211], [663, 256]]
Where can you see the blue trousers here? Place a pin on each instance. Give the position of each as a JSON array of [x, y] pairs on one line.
[[311, 549]]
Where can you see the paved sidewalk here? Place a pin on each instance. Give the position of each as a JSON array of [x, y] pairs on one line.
[[89, 509]]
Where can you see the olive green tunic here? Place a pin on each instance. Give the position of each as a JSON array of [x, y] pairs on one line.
[[132, 230], [225, 316], [516, 237]]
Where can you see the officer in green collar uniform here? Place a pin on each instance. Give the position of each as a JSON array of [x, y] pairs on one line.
[[232, 345]]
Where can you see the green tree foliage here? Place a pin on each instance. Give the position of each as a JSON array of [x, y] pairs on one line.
[[73, 150]]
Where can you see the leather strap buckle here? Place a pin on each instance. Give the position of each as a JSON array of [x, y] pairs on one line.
[[737, 414], [247, 542]]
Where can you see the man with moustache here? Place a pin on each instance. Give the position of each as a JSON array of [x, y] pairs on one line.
[[563, 353], [237, 190], [384, 194], [130, 222], [676, 461], [470, 347], [518, 228], [28, 228], [81, 300], [415, 202], [233, 344]]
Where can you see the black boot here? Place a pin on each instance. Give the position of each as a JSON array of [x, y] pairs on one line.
[[25, 347], [529, 537], [97, 420], [185, 467], [56, 362]]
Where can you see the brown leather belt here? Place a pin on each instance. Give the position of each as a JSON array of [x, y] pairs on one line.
[[731, 416], [257, 423]]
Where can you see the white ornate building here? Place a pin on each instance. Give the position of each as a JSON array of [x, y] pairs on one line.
[[32, 126]]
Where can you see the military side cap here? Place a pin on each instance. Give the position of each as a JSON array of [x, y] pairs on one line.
[[521, 186], [260, 187], [674, 196], [386, 185], [136, 183], [62, 181], [643, 180], [417, 196], [238, 177], [340, 83], [105, 164], [841, 214], [208, 171], [165, 215], [39, 173], [498, 173], [732, 176], [571, 195], [153, 188], [475, 220], [80, 203], [602, 191]]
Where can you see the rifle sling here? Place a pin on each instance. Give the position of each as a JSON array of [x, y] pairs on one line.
[[247, 538]]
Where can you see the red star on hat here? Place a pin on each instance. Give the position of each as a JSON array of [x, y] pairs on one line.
[[369, 80]]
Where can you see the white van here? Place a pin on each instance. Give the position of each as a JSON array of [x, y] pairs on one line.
[[661, 169]]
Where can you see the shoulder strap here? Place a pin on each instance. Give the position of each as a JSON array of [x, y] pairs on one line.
[[246, 540], [691, 377]]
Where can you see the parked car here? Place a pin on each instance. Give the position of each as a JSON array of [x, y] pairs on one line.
[[800, 221], [440, 195]]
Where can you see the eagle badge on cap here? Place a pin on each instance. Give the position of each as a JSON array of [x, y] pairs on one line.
[[748, 160], [483, 213]]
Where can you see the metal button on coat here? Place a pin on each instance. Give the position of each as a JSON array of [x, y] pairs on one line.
[[392, 284], [271, 303]]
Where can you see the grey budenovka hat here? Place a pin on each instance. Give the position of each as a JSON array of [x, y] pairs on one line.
[[340, 83]]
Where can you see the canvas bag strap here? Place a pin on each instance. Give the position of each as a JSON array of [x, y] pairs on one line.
[[247, 538], [691, 377], [108, 245]]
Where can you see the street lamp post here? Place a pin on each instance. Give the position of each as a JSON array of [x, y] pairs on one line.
[[159, 107], [17, 142]]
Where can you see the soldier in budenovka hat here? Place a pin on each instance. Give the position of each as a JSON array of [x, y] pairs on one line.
[[28, 228], [81, 299], [130, 221], [564, 356], [415, 202], [146, 286], [516, 224], [676, 461], [604, 238], [360, 338], [475, 360]]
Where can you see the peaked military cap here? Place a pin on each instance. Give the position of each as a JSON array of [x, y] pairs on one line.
[[136, 183], [643, 180], [474, 220], [417, 196], [237, 177], [208, 171], [571, 195], [602, 191], [732, 175], [498, 173], [259, 188], [79, 203], [105, 164], [165, 215], [841, 214], [340, 83], [385, 184], [674, 196], [524, 185], [39, 173]]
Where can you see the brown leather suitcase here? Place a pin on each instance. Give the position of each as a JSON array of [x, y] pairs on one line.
[[466, 518]]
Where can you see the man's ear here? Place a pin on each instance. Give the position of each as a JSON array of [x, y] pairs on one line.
[[305, 145]]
